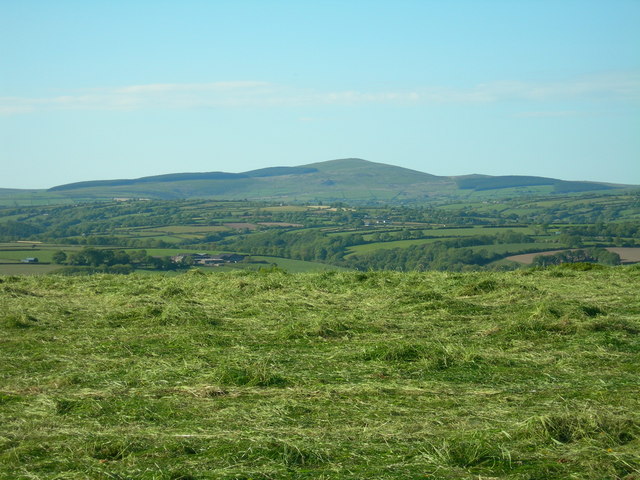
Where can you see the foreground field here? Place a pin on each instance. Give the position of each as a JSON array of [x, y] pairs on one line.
[[520, 375]]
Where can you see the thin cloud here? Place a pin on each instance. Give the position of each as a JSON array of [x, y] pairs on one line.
[[552, 114], [187, 87], [9, 106], [235, 94]]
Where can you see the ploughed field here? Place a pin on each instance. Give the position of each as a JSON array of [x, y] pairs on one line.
[[627, 255], [522, 375]]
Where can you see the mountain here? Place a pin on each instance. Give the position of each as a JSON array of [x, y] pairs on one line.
[[350, 180]]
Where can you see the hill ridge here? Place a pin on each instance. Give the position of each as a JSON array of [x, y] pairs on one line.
[[353, 180]]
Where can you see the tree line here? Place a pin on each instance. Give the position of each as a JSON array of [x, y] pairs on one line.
[[587, 255], [94, 260]]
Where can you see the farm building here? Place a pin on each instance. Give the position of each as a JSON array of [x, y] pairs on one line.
[[207, 259], [30, 260]]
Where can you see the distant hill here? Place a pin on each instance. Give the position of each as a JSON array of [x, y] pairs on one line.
[[483, 182], [173, 177], [350, 180]]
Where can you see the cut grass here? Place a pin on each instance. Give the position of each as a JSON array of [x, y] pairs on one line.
[[518, 375]]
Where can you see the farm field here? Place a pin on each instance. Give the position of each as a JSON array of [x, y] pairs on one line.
[[508, 247], [27, 269], [260, 262], [505, 248], [627, 255], [341, 375], [11, 255], [370, 247], [446, 236], [44, 255], [468, 231], [293, 266], [195, 229]]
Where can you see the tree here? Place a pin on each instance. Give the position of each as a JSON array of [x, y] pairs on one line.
[[571, 241], [59, 257]]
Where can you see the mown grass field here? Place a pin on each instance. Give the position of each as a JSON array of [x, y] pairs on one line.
[[335, 375]]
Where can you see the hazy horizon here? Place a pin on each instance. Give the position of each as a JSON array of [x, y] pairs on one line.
[[106, 90]]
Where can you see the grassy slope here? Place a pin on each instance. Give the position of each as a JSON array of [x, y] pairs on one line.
[[448, 234], [345, 180], [351, 180], [522, 375]]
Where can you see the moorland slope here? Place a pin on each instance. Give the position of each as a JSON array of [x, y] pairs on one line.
[[349, 180]]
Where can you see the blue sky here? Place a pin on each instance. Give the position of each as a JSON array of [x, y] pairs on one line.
[[123, 89]]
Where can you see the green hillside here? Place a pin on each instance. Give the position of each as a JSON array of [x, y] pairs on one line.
[[351, 180], [478, 183], [335, 375], [348, 180]]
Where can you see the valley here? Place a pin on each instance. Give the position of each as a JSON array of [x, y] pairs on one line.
[[443, 235]]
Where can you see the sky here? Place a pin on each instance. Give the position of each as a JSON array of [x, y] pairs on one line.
[[129, 88]]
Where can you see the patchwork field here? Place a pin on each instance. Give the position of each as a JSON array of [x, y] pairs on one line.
[[335, 375]]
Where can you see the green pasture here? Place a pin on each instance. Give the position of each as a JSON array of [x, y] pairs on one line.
[[523, 206], [627, 214], [292, 266], [584, 200], [221, 204], [467, 232], [473, 196], [493, 248], [475, 206], [17, 255], [18, 245], [174, 239], [26, 269], [168, 252], [134, 233], [34, 199], [285, 208], [256, 262], [371, 247], [43, 252], [180, 229], [10, 218], [515, 248]]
